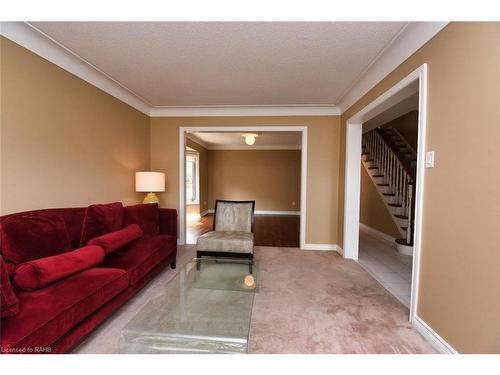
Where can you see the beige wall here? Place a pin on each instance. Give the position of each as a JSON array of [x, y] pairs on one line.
[[407, 126], [460, 262], [203, 170], [323, 163], [372, 209], [270, 177], [64, 143]]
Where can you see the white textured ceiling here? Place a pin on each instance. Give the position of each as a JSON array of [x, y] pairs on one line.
[[264, 140], [236, 63]]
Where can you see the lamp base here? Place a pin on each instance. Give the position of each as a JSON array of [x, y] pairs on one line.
[[151, 198]]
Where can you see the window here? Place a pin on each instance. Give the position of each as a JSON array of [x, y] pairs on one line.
[[192, 180]]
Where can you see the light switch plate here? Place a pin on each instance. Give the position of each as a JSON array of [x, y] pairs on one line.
[[429, 159]]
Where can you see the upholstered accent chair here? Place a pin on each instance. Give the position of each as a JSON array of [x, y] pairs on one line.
[[232, 234]]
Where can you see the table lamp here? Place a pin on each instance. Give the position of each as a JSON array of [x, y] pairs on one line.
[[150, 182]]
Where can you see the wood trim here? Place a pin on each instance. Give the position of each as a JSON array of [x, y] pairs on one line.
[[260, 212], [413, 37], [432, 337], [351, 226], [33, 39], [321, 247], [183, 130], [245, 110]]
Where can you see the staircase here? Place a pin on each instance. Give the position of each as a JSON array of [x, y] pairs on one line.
[[391, 163]]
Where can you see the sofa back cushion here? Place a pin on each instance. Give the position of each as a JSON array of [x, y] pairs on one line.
[[73, 217], [33, 235], [9, 303], [144, 215], [117, 239], [101, 219], [38, 273]]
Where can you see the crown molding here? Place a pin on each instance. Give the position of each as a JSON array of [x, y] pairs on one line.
[[406, 43], [210, 146], [44, 46], [197, 140], [245, 110], [253, 147], [409, 40]]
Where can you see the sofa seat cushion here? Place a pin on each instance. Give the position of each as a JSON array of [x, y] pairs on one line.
[[141, 256], [38, 273], [32, 236], [48, 313], [117, 239], [226, 241]]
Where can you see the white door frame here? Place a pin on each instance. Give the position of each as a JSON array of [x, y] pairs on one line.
[[353, 165], [183, 130]]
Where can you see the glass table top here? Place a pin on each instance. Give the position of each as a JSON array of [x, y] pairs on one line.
[[200, 311]]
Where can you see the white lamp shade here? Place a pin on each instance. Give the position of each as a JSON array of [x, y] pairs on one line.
[[149, 182]]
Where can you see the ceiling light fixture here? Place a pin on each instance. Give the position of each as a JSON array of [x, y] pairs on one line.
[[250, 138]]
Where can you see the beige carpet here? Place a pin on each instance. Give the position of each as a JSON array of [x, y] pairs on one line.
[[309, 302], [318, 302]]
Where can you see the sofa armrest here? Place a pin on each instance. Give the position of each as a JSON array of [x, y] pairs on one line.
[[168, 221]]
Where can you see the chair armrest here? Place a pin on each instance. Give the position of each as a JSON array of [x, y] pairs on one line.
[[168, 221]]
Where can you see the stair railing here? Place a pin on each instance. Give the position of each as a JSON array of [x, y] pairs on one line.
[[397, 177]]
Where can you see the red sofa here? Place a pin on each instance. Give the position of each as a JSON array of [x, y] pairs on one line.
[[56, 316]]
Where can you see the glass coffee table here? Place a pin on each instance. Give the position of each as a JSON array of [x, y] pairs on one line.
[[205, 311]]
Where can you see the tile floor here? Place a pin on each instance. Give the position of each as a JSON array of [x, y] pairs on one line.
[[391, 269]]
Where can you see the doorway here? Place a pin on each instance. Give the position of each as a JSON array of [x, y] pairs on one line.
[[354, 130], [287, 216]]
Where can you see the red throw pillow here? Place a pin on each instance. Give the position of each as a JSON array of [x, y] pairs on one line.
[[31, 236], [145, 215], [8, 302], [101, 219], [117, 239], [38, 273]]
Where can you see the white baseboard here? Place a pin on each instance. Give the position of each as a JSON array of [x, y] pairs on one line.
[[377, 233], [259, 212], [322, 247], [432, 337], [205, 213]]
